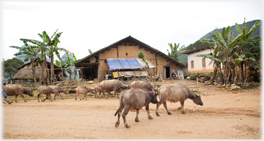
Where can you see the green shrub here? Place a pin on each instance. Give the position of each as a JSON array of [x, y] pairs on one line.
[[141, 55]]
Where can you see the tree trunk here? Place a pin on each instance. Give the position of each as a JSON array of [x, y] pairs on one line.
[[250, 74], [236, 75], [220, 75], [245, 79], [70, 74], [47, 70], [52, 76], [62, 70], [213, 77], [233, 75], [241, 72], [42, 73], [75, 73], [33, 70]]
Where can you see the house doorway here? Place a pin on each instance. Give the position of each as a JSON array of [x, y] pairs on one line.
[[167, 72]]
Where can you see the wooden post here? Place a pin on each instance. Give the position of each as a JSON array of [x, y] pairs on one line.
[[197, 84], [134, 76]]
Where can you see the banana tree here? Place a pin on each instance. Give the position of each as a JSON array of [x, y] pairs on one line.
[[226, 44], [175, 50], [28, 52], [40, 47], [53, 48], [217, 58], [67, 63], [243, 45]]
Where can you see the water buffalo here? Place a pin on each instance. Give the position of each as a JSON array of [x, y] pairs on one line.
[[46, 90], [112, 85], [175, 93], [82, 90], [134, 100], [97, 91], [143, 84], [59, 90], [16, 90]]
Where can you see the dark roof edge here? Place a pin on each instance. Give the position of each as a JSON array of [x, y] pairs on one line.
[[35, 61], [197, 50], [161, 53]]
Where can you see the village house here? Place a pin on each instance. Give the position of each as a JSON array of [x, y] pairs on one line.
[[121, 59], [200, 64], [24, 76]]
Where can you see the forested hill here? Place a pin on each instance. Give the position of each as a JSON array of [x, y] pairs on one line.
[[199, 44], [248, 25]]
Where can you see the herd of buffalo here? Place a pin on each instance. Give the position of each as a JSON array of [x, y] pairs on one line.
[[132, 98]]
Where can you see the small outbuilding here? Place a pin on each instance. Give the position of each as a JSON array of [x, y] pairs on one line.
[[121, 59], [24, 75], [200, 64]]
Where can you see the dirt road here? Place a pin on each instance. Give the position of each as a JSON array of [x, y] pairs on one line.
[[225, 115]]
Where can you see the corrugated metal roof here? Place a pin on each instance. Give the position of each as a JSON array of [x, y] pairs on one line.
[[131, 63]]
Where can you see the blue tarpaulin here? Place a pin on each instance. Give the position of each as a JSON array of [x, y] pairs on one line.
[[119, 64]]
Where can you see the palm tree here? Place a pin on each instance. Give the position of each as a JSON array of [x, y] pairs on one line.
[[28, 53], [175, 50]]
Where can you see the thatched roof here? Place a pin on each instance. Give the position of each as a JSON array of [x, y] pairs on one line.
[[25, 72]]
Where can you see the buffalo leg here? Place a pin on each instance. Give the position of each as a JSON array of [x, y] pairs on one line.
[[117, 95], [85, 95], [99, 95], [95, 94], [124, 116], [105, 95], [61, 96], [50, 97], [157, 108], [165, 106], [76, 95], [16, 98], [162, 99], [147, 109], [136, 119], [182, 106], [119, 114], [23, 97], [38, 97]]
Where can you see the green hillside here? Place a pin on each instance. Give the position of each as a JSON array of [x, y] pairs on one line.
[[198, 44], [248, 24]]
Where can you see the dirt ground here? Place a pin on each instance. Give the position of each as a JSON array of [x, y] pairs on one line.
[[224, 115]]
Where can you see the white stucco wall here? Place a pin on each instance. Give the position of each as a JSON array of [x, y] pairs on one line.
[[198, 62]]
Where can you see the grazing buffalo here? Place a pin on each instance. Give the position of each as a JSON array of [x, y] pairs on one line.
[[82, 90], [112, 85], [59, 90], [134, 100], [175, 93], [46, 90], [143, 84], [16, 90]]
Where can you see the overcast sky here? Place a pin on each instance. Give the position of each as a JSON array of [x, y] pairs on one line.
[[97, 24]]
